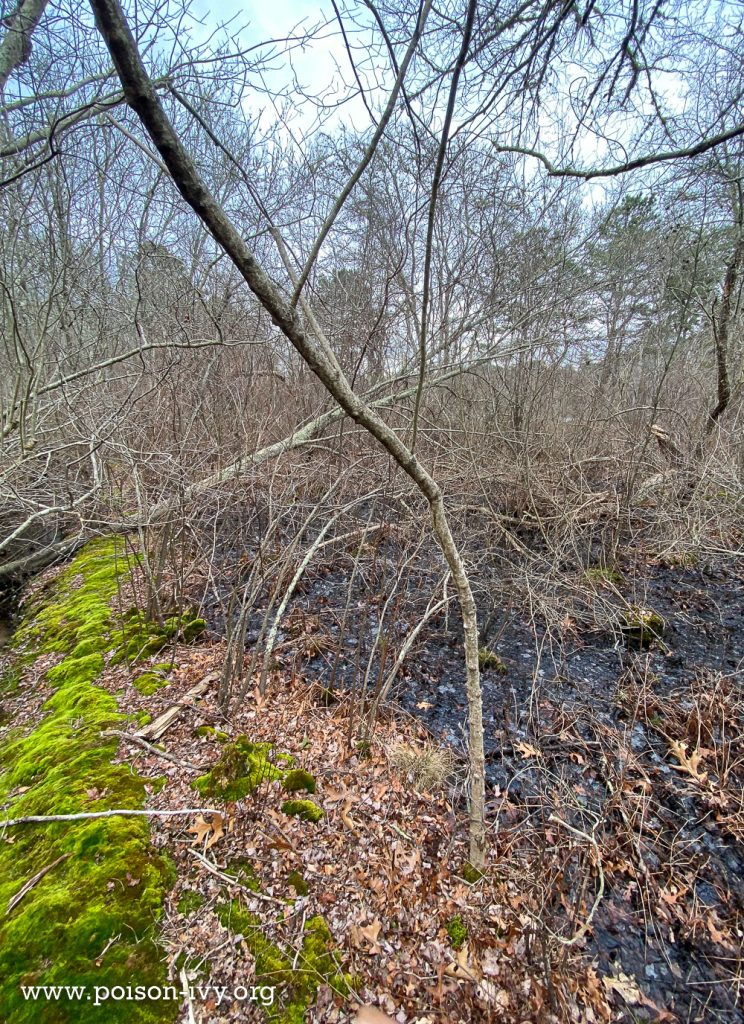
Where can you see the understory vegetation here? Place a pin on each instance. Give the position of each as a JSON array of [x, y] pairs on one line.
[[372, 512]]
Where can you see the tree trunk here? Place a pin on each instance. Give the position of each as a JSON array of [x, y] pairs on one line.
[[721, 331], [142, 98]]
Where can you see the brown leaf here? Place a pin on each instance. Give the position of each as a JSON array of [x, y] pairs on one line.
[[715, 933], [211, 831], [527, 750], [367, 935], [625, 986], [345, 817], [465, 967], [687, 762], [218, 830]]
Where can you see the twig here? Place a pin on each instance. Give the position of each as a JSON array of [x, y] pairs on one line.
[[232, 881], [600, 889], [120, 812], [140, 742], [186, 988], [299, 948], [15, 900], [404, 835]]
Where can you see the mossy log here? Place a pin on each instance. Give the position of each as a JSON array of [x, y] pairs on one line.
[[92, 917]]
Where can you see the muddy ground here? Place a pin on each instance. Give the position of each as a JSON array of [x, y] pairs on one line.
[[581, 722]]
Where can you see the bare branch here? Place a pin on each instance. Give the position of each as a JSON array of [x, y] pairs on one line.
[[631, 165]]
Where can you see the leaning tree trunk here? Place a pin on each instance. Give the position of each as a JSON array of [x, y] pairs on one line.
[[143, 99]]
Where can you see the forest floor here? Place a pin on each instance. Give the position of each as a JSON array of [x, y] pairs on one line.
[[614, 888]]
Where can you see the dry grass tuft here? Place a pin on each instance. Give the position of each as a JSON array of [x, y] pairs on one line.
[[427, 767]]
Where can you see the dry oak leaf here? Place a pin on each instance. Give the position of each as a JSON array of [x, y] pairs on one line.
[[212, 830], [527, 750], [346, 818], [718, 935], [464, 968], [625, 986], [628, 988], [688, 763], [367, 935]]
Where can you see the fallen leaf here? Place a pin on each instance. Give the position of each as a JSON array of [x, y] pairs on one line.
[[367, 935], [464, 967], [527, 750], [218, 830], [687, 762], [628, 988], [625, 986], [715, 933], [345, 817], [211, 831]]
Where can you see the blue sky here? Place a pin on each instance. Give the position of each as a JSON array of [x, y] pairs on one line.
[[315, 65]]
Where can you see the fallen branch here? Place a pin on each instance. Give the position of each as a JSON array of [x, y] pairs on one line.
[[233, 881], [138, 741], [600, 888], [15, 900], [163, 722], [122, 812]]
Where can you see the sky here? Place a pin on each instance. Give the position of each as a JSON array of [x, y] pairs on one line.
[[316, 65]]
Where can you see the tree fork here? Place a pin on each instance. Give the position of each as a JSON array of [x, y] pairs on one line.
[[143, 99]]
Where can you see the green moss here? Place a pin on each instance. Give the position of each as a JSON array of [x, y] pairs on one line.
[[298, 883], [307, 810], [88, 647], [92, 918], [243, 870], [457, 931], [490, 659], [471, 874], [150, 682], [298, 779], [364, 749], [141, 639], [76, 670], [10, 680], [642, 626], [212, 733], [680, 559], [189, 902], [296, 975], [193, 629], [598, 574], [242, 767]]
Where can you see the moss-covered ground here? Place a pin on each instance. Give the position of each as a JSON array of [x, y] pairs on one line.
[[92, 918], [296, 977]]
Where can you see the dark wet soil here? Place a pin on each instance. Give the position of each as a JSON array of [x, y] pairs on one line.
[[573, 689]]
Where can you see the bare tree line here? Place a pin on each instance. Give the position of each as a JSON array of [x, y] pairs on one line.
[[447, 284]]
